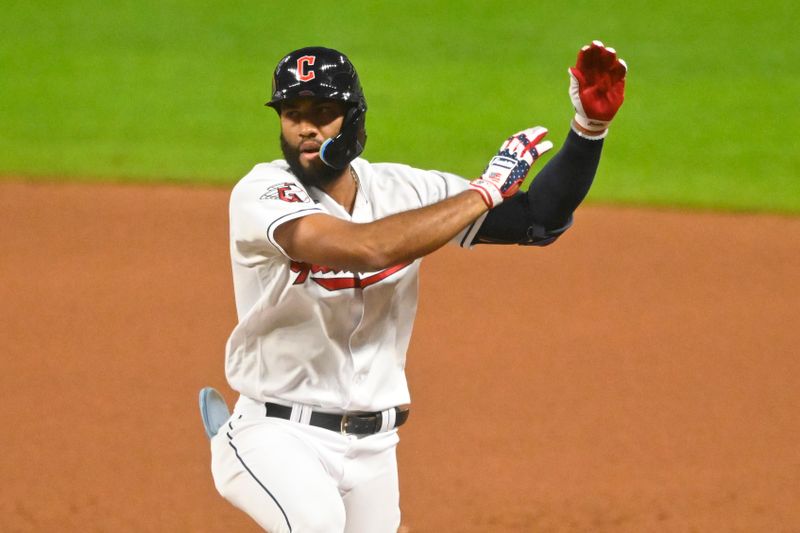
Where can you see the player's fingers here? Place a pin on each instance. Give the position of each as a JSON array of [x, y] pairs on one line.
[[617, 71], [607, 58], [541, 148], [596, 57], [535, 134], [581, 54], [596, 51], [525, 140], [523, 145], [535, 147], [520, 142], [589, 60], [511, 144]]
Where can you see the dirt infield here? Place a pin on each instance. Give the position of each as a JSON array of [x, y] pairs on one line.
[[650, 380]]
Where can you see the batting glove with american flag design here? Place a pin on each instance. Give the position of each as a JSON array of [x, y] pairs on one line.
[[508, 168]]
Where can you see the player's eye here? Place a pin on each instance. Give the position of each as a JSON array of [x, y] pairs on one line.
[[290, 114], [324, 114]]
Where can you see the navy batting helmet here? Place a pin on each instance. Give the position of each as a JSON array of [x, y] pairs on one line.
[[325, 73]]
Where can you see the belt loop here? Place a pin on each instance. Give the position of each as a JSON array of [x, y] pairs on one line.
[[301, 413], [305, 414], [388, 419], [297, 410]]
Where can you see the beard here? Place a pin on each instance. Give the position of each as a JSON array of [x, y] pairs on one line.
[[316, 175]]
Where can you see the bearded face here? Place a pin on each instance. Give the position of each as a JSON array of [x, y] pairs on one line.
[[305, 124], [310, 173]]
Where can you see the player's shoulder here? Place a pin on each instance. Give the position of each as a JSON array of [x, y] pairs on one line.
[[399, 175], [393, 170], [277, 170], [271, 180], [400, 186]]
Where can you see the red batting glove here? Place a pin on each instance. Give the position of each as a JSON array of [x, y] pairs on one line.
[[597, 86]]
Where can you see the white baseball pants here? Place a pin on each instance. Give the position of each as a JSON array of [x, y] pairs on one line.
[[292, 477]]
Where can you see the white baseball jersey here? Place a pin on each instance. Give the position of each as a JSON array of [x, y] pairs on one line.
[[310, 334]]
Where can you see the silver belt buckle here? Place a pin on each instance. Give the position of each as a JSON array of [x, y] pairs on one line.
[[343, 425]]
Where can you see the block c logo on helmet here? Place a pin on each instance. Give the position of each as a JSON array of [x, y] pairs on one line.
[[303, 72]]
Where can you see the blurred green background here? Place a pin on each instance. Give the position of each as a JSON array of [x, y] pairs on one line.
[[173, 90]]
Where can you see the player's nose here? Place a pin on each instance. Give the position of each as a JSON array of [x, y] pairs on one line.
[[308, 127]]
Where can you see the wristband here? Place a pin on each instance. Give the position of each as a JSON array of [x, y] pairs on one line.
[[489, 192], [585, 135]]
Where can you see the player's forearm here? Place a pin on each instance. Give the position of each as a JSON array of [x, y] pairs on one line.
[[564, 181], [368, 247], [546, 209], [413, 234]]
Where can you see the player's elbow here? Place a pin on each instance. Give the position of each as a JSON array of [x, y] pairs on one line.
[[372, 257], [547, 241]]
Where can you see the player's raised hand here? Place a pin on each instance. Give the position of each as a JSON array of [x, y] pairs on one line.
[[597, 86], [508, 168]]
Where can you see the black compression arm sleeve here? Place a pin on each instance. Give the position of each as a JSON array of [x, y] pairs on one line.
[[545, 211]]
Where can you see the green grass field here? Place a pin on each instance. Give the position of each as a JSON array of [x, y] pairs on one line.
[[174, 90]]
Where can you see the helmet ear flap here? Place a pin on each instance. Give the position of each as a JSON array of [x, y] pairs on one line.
[[338, 151]]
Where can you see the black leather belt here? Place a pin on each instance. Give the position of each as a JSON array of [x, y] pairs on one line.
[[351, 424]]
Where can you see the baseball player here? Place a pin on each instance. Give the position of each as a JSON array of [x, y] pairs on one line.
[[325, 249]]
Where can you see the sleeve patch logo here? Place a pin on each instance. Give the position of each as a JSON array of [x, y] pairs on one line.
[[287, 192]]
